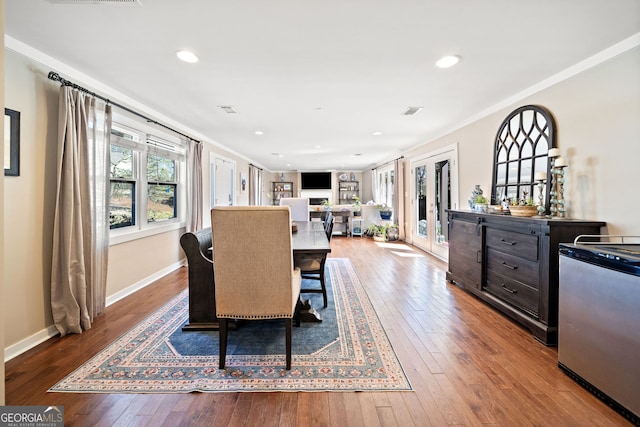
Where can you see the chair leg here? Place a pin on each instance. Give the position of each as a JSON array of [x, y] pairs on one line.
[[324, 288], [287, 325], [223, 342]]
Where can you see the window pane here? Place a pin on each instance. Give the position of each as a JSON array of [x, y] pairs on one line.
[[160, 169], [121, 162], [121, 205], [161, 204]]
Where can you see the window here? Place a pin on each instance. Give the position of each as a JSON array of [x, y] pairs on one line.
[[521, 151], [145, 179], [385, 180]]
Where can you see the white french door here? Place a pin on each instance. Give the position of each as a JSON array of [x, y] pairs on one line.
[[434, 189], [222, 181]]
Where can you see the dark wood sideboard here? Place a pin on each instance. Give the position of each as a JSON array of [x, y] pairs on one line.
[[511, 263]]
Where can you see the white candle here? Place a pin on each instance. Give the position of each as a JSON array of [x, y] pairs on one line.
[[561, 162], [554, 152], [541, 176]]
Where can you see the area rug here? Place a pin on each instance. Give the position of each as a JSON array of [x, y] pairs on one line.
[[348, 351]]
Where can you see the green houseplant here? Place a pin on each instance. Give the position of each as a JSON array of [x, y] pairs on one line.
[[356, 206]]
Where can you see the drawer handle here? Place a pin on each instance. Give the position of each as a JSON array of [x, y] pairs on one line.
[[506, 242], [511, 291], [510, 267]]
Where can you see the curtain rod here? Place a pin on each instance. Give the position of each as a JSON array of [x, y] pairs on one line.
[[385, 164], [56, 77], [257, 167]]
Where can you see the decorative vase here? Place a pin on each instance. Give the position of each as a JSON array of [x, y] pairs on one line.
[[477, 191]]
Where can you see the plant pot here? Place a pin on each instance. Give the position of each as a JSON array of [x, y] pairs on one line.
[[386, 215], [481, 207], [523, 210], [379, 238]]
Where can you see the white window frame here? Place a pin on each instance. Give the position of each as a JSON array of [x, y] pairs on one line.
[[384, 195], [144, 133]]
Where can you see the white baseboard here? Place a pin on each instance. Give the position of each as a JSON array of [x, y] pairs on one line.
[[30, 342], [142, 283]]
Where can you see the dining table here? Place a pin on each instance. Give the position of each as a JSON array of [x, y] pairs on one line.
[[309, 237]]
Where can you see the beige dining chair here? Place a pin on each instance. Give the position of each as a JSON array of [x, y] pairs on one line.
[[254, 273], [299, 207]]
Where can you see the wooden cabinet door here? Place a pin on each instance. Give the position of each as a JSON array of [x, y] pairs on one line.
[[465, 253]]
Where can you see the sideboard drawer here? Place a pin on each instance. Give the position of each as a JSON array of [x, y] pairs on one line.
[[513, 291], [525, 245], [514, 267]]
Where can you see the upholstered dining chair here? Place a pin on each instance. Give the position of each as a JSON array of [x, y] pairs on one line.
[[312, 266], [299, 207], [253, 268]]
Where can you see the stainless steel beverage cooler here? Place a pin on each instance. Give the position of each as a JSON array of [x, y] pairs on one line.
[[599, 320]]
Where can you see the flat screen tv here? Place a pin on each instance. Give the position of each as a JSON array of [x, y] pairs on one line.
[[315, 180]]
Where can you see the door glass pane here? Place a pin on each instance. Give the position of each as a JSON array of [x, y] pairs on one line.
[[442, 201], [421, 202]]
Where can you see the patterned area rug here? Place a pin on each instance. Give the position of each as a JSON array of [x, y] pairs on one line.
[[347, 351]]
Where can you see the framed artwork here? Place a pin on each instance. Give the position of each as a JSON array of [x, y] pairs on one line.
[[11, 142]]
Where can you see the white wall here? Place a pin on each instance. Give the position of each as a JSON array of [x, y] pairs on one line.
[[597, 114], [2, 282]]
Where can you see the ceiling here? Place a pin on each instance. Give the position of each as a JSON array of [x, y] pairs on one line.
[[319, 78]]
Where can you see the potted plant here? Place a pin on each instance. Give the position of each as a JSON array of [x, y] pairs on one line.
[[326, 204], [480, 203], [379, 232], [356, 206], [385, 211]]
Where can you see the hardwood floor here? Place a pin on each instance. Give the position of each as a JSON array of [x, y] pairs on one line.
[[468, 364]]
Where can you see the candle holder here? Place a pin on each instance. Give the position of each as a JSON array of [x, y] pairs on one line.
[[541, 208], [561, 209], [553, 196]]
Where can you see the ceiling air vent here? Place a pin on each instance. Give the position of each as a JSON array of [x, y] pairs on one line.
[[412, 111], [123, 2], [229, 109]]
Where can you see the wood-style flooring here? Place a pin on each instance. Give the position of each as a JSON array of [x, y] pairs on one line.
[[468, 364]]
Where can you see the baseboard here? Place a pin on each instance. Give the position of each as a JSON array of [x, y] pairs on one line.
[[28, 343], [143, 283]]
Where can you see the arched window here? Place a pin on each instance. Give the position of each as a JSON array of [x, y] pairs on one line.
[[521, 147]]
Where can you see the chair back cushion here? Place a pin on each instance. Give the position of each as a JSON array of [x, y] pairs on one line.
[[253, 266], [299, 207]]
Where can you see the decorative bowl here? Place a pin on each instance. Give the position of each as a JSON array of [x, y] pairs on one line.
[[523, 210]]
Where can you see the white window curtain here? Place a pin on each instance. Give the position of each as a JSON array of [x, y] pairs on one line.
[[194, 186], [255, 185], [81, 219], [398, 199]]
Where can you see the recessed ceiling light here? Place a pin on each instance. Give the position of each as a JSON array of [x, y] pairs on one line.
[[277, 154], [448, 61], [187, 56], [259, 132], [377, 133]]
